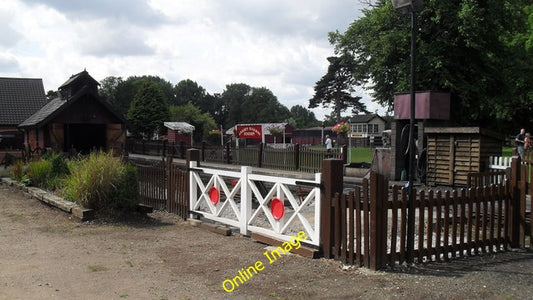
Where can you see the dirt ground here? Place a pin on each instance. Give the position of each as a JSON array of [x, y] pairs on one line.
[[46, 254]]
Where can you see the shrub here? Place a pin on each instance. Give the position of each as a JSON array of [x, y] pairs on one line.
[[127, 189], [17, 171], [101, 181], [39, 172]]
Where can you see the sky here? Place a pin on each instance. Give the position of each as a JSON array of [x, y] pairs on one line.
[[278, 44]]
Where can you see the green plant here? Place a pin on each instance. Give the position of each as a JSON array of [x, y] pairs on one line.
[[92, 180], [102, 181], [39, 172], [17, 170], [127, 190]]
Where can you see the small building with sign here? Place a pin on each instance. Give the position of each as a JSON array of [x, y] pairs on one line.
[[366, 130], [280, 133]]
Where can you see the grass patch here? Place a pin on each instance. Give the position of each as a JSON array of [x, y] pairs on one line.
[[97, 268], [361, 154]]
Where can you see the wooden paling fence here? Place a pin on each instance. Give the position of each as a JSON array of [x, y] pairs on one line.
[[163, 186], [369, 226]]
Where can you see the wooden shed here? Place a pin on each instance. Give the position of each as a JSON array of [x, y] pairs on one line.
[[453, 152], [78, 119]]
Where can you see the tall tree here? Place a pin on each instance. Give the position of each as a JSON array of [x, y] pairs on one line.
[[335, 90], [108, 91], [233, 98], [303, 117], [120, 92], [261, 106], [468, 48], [148, 110], [188, 91]]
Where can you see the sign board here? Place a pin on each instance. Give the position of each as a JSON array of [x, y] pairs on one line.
[[249, 131]]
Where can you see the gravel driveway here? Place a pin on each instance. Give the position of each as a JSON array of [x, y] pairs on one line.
[[45, 254]]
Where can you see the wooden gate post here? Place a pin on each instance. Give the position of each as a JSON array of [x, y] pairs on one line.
[[378, 220], [192, 155], [514, 208], [332, 181]]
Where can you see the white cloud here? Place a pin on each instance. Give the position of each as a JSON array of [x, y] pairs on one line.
[[278, 44]]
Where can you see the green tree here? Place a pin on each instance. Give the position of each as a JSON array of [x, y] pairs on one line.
[[202, 122], [303, 118], [261, 106], [188, 91], [465, 47], [108, 91], [232, 99], [148, 110], [119, 93], [335, 89]]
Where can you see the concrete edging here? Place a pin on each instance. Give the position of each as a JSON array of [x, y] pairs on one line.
[[81, 213]]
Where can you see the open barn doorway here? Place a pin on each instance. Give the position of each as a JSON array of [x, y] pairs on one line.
[[85, 137]]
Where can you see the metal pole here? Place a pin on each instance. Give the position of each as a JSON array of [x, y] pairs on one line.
[[412, 174]]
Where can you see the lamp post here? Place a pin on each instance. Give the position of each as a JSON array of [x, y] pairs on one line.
[[411, 6]]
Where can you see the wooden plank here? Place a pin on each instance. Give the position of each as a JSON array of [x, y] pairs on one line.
[[447, 204], [421, 222], [303, 250], [462, 244], [429, 232], [351, 248]]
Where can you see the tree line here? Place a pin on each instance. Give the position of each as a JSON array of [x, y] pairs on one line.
[[481, 52], [148, 101]]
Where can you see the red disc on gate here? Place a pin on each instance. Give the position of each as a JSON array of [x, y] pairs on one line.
[[277, 208], [214, 195]]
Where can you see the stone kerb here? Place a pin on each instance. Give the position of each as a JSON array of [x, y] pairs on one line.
[[83, 214]]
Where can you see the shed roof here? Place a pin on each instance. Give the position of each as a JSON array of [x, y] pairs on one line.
[[364, 118], [179, 126], [20, 98]]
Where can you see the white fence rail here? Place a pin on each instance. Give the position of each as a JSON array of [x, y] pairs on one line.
[[499, 162], [268, 205]]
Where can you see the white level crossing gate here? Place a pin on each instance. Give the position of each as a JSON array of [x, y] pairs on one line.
[[269, 205]]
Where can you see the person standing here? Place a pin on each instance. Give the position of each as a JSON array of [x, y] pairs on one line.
[[519, 142], [329, 143]]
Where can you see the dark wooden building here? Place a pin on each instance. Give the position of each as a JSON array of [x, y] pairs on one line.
[[19, 99], [76, 120], [453, 152]]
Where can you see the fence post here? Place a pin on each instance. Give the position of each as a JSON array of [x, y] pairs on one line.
[[514, 209], [260, 155], [246, 199], [228, 153], [344, 151], [203, 150], [193, 155], [332, 183], [296, 156], [164, 148], [182, 149], [169, 182], [378, 220]]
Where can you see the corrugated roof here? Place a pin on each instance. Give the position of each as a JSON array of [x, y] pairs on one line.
[[20, 98], [180, 126]]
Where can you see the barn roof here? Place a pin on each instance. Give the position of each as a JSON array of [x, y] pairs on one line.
[[20, 98], [59, 104]]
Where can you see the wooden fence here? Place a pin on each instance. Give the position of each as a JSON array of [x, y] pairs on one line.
[[369, 226], [293, 157], [163, 186]]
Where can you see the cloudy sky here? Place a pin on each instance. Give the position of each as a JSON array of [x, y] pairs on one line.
[[278, 44]]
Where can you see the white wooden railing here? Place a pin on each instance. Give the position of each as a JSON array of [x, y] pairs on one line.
[[241, 199], [499, 162]]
